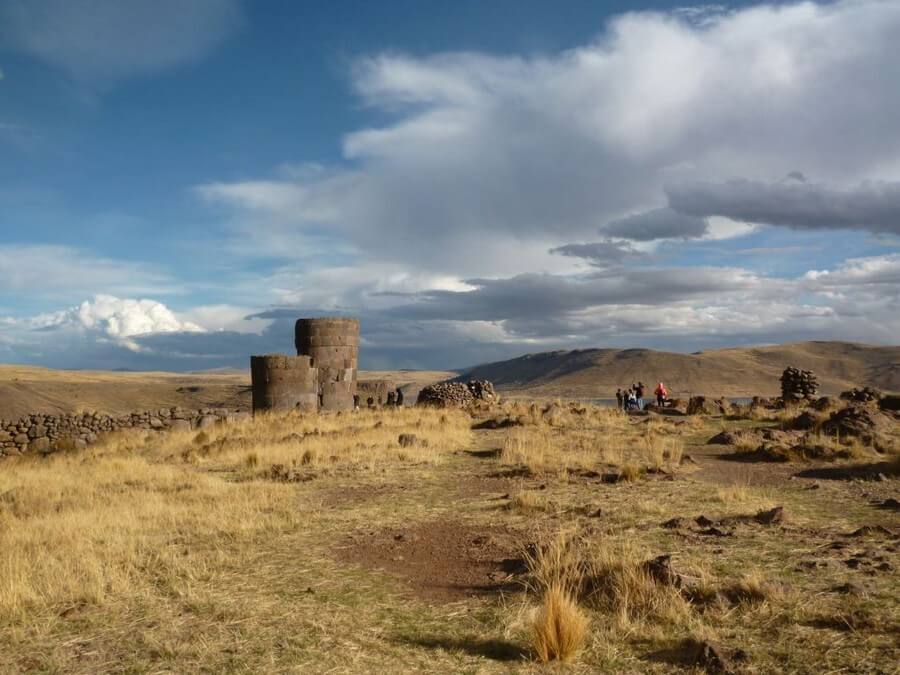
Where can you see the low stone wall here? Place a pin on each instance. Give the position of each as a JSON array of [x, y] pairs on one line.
[[48, 433]]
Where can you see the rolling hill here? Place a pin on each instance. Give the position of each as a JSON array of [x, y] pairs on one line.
[[736, 372]]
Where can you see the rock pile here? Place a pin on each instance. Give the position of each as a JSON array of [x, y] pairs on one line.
[[701, 405], [48, 433], [457, 394], [798, 384], [861, 395]]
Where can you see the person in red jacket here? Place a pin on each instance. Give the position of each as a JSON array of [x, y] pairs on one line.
[[661, 394]]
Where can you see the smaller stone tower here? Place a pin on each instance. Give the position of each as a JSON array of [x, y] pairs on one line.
[[283, 382]]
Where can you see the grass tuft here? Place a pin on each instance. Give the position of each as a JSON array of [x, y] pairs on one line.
[[560, 627]]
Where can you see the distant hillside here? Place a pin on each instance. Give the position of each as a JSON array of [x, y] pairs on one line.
[[30, 389], [596, 373]]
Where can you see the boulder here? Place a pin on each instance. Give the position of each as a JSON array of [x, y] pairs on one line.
[[701, 405], [806, 421], [866, 423], [207, 421], [41, 444], [723, 438], [179, 425]]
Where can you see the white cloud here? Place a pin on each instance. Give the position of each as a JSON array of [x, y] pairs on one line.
[[66, 273], [105, 40], [492, 154]]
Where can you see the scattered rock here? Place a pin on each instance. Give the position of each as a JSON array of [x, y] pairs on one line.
[[723, 438], [770, 517], [660, 568], [701, 405], [676, 523], [407, 440], [713, 658], [891, 504], [872, 530], [861, 395], [849, 588], [806, 421], [866, 423]]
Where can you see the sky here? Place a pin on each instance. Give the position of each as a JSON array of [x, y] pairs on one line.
[[181, 179]]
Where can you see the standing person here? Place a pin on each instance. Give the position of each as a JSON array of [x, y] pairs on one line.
[[639, 394], [619, 399], [631, 400], [661, 394]]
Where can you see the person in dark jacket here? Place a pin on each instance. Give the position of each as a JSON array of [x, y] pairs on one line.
[[619, 398], [639, 394]]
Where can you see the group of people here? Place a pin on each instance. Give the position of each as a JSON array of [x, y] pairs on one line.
[[633, 398]]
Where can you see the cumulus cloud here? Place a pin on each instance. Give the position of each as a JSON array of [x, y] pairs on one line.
[[487, 152], [795, 203], [117, 319], [105, 40]]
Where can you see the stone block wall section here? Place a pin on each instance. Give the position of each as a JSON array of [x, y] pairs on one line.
[[333, 345], [48, 433]]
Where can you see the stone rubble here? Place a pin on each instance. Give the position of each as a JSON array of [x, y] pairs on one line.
[[457, 394]]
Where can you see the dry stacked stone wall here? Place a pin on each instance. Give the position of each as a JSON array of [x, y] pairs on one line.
[[48, 433], [283, 382], [333, 345]]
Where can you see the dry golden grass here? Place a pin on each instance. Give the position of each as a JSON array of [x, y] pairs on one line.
[[215, 552], [560, 627], [557, 439], [91, 526], [528, 500]]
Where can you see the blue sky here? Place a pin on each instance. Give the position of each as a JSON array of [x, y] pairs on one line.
[[178, 180]]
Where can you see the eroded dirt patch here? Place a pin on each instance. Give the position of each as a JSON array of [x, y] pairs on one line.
[[441, 560]]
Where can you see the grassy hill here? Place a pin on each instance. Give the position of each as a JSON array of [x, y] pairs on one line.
[[30, 389], [596, 373]]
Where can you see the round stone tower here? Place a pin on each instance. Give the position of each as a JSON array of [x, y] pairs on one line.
[[284, 383], [333, 345]]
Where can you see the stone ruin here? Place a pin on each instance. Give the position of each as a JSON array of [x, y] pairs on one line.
[[321, 377], [798, 384], [376, 393], [457, 394]]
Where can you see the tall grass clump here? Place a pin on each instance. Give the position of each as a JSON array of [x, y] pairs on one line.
[[560, 626]]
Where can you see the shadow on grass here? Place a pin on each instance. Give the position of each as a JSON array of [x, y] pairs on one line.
[[852, 472], [496, 650], [751, 457]]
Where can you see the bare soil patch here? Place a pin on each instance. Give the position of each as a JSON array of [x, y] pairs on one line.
[[441, 561]]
